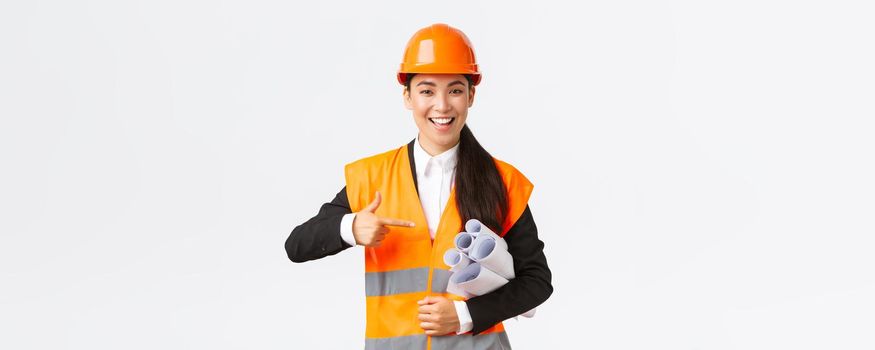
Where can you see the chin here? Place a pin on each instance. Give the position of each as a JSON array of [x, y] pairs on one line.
[[448, 140]]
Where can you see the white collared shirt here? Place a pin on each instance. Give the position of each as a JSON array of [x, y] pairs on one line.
[[435, 177]]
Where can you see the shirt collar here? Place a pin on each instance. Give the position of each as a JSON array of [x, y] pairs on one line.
[[446, 160]]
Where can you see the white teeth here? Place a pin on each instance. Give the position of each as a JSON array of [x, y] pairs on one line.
[[443, 121]]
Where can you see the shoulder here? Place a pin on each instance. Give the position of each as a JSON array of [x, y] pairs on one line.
[[519, 190], [366, 173], [511, 175]]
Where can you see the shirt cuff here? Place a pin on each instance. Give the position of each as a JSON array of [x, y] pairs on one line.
[[346, 229], [465, 322]]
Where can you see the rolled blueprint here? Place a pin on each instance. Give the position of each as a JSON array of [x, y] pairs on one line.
[[477, 280], [527, 314], [456, 260], [463, 241], [455, 289], [476, 228], [480, 262], [486, 251]]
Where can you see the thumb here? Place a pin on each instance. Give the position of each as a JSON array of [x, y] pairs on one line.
[[423, 301], [372, 207]]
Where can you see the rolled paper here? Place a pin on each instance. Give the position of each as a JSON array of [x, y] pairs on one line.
[[476, 228], [527, 314], [477, 280], [455, 259], [455, 289], [463, 241], [487, 253], [473, 225], [490, 265]]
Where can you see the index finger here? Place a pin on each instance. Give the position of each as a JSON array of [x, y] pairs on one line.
[[396, 222]]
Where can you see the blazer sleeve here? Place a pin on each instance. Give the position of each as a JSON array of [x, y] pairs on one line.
[[320, 236], [529, 288]]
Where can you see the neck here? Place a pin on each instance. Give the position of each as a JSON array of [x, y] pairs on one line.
[[434, 149]]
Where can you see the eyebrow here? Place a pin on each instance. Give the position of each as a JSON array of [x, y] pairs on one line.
[[455, 82]]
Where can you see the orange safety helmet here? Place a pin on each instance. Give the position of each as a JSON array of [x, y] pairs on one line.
[[439, 48]]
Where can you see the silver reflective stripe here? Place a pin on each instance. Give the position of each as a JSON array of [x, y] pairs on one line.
[[397, 343], [439, 280], [396, 282], [491, 341]]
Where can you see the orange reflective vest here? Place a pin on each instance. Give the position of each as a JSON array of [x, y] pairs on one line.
[[408, 266]]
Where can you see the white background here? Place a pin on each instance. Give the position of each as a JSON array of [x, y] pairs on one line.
[[703, 170]]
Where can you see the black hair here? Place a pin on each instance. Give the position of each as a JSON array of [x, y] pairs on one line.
[[480, 190]]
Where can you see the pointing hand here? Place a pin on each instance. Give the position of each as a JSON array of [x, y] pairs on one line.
[[369, 229]]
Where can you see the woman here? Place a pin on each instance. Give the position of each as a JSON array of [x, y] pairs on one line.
[[406, 205]]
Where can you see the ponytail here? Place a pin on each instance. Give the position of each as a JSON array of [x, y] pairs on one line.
[[480, 191]]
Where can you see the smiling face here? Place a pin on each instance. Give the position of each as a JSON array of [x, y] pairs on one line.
[[440, 105]]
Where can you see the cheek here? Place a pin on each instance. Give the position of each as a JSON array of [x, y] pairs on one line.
[[461, 103], [419, 113], [420, 108]]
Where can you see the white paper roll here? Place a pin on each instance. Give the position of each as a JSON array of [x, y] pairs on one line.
[[486, 251], [527, 314], [455, 289], [489, 265], [478, 229], [456, 260], [463, 241], [477, 280]]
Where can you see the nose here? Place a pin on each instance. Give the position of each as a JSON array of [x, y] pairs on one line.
[[442, 104]]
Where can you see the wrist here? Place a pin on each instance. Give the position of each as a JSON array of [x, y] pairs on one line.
[[346, 229], [463, 316]]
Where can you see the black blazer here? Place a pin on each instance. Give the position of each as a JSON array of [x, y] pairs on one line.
[[320, 237]]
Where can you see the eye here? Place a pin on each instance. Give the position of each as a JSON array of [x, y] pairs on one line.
[[425, 92], [456, 91]]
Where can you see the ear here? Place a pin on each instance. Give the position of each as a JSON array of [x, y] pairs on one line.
[[471, 96], [406, 96]]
